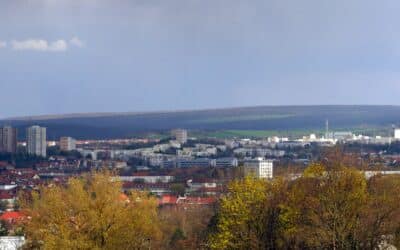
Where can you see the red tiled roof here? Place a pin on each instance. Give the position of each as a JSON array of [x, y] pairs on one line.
[[198, 200], [12, 216], [142, 173], [168, 200]]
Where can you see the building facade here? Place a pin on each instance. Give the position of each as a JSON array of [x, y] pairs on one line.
[[67, 144], [188, 163], [225, 162], [397, 133], [8, 139], [180, 135], [36, 141], [259, 167]]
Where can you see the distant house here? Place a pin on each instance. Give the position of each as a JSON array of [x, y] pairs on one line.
[[225, 162], [146, 178], [154, 188], [168, 200], [12, 216], [11, 242], [259, 167], [186, 200], [205, 186], [190, 200], [369, 174], [8, 196]]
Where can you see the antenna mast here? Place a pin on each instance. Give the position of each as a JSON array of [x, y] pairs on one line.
[[326, 129]]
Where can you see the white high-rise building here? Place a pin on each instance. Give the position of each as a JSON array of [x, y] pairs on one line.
[[36, 140], [67, 144], [180, 135], [259, 167], [397, 133]]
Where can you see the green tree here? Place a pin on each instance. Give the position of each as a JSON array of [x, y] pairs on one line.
[[178, 189], [177, 236], [3, 228]]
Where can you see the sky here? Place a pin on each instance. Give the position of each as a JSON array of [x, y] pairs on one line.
[[78, 56]]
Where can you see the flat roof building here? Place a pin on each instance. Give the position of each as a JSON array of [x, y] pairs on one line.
[[259, 167], [67, 144], [36, 141], [397, 133], [8, 139], [180, 135]]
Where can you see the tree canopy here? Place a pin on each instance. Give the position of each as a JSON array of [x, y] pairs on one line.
[[90, 213], [326, 208]]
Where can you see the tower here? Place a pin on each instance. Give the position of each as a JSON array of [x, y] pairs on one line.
[[326, 128], [36, 140], [8, 139]]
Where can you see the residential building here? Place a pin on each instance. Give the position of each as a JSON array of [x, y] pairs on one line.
[[198, 162], [225, 162], [8, 139], [397, 133], [342, 135], [36, 141], [147, 178], [259, 167], [180, 135], [67, 144], [12, 242]]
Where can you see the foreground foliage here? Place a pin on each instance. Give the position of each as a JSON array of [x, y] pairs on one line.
[[326, 208], [90, 213]]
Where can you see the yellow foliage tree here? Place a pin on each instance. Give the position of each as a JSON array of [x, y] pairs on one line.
[[326, 208], [240, 219], [90, 213]]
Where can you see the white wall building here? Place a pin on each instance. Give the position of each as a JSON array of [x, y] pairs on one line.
[[147, 178], [36, 140], [397, 133], [11, 242], [67, 144], [259, 167], [225, 162]]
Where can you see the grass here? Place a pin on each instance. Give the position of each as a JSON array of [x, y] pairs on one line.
[[259, 133], [371, 131]]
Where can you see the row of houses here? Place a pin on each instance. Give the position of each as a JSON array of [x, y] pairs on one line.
[[199, 162]]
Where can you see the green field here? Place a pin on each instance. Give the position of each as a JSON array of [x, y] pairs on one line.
[[371, 131], [257, 133]]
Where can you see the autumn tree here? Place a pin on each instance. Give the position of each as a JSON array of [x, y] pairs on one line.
[[332, 207], [240, 220], [381, 216], [185, 227], [324, 208], [90, 213]]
